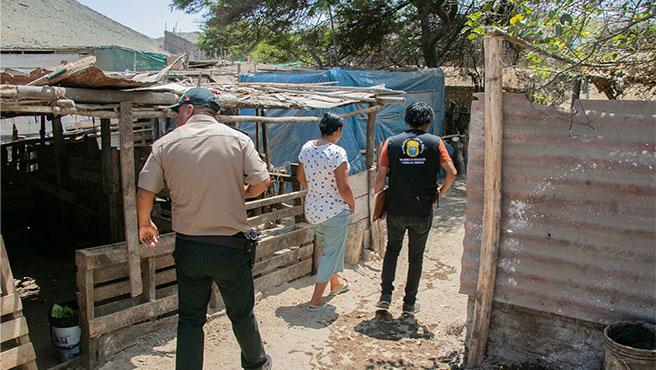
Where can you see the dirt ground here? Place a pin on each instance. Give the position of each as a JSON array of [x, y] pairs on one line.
[[356, 335]]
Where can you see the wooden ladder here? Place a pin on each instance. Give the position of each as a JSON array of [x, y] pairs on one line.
[[13, 329]]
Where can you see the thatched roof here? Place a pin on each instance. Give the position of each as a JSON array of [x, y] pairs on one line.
[[64, 24]]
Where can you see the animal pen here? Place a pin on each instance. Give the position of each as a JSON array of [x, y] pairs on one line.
[[125, 288]]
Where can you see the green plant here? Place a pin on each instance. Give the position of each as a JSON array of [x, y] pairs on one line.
[[58, 311]]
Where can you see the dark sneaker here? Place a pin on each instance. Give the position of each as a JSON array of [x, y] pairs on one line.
[[384, 302], [267, 364], [410, 308]]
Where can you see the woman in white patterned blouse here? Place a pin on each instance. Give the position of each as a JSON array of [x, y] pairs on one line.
[[323, 170]]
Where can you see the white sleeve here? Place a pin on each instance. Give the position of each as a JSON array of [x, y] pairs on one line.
[[339, 157], [301, 156]]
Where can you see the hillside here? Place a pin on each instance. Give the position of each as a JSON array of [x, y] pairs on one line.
[[59, 24]]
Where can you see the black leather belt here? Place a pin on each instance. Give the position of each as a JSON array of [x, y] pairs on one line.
[[236, 241]]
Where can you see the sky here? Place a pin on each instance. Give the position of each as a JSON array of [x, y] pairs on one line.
[[146, 16]]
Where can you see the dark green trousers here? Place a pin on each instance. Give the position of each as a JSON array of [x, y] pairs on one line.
[[197, 265]]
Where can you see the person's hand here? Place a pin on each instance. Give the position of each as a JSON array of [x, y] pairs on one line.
[[437, 196], [148, 234], [352, 208]]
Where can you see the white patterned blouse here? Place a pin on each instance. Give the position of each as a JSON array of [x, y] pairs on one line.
[[323, 200]]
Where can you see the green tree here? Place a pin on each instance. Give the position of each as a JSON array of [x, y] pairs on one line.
[[368, 32], [285, 30], [406, 31], [611, 43]]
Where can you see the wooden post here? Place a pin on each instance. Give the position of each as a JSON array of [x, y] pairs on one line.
[[88, 346], [265, 141], [4, 156], [371, 171], [42, 148], [492, 200], [111, 180], [257, 135], [376, 228], [130, 198], [296, 186], [60, 150], [22, 157], [14, 148], [371, 128], [150, 284], [66, 213]]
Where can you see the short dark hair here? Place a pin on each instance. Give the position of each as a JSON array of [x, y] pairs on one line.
[[330, 123], [418, 114]]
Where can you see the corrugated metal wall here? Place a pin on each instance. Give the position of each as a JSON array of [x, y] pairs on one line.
[[578, 219]]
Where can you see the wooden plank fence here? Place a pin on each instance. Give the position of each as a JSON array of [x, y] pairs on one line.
[[107, 309], [17, 350]]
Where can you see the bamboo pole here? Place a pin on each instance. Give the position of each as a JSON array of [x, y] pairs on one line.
[[303, 119], [326, 94], [373, 89], [396, 100], [130, 199], [278, 84], [492, 200]]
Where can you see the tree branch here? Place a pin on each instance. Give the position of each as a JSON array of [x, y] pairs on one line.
[[527, 45]]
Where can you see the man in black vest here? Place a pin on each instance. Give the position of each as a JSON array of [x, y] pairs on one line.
[[413, 159]]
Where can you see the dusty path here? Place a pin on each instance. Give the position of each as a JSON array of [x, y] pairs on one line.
[[356, 336]]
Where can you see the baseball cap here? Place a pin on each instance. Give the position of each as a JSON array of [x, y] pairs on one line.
[[198, 96]]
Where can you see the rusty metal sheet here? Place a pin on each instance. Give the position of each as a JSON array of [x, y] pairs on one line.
[[83, 74], [578, 216], [91, 78]]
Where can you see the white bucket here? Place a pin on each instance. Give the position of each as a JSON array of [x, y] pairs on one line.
[[67, 341]]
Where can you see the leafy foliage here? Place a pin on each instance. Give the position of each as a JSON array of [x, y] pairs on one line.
[[367, 32], [62, 311], [608, 42], [268, 31]]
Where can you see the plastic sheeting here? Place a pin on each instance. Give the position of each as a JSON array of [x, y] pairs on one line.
[[286, 140], [119, 59]]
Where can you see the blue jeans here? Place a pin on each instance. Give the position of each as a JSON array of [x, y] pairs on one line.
[[418, 229], [197, 265]]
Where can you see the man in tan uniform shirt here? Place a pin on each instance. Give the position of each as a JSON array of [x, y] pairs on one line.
[[209, 169]]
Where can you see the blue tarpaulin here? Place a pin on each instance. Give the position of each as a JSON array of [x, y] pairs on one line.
[[286, 140]]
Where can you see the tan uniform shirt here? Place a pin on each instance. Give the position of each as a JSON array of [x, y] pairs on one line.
[[205, 165]]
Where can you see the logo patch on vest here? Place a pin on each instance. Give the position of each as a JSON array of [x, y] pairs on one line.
[[412, 147]]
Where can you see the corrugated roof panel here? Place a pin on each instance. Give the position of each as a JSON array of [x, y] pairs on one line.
[[578, 219]]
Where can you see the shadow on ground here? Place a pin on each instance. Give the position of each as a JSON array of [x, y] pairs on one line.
[[298, 316], [385, 327]]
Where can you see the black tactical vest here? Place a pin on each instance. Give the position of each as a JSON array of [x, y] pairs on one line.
[[414, 159]]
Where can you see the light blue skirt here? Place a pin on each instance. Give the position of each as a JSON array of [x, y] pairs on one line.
[[332, 234]]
